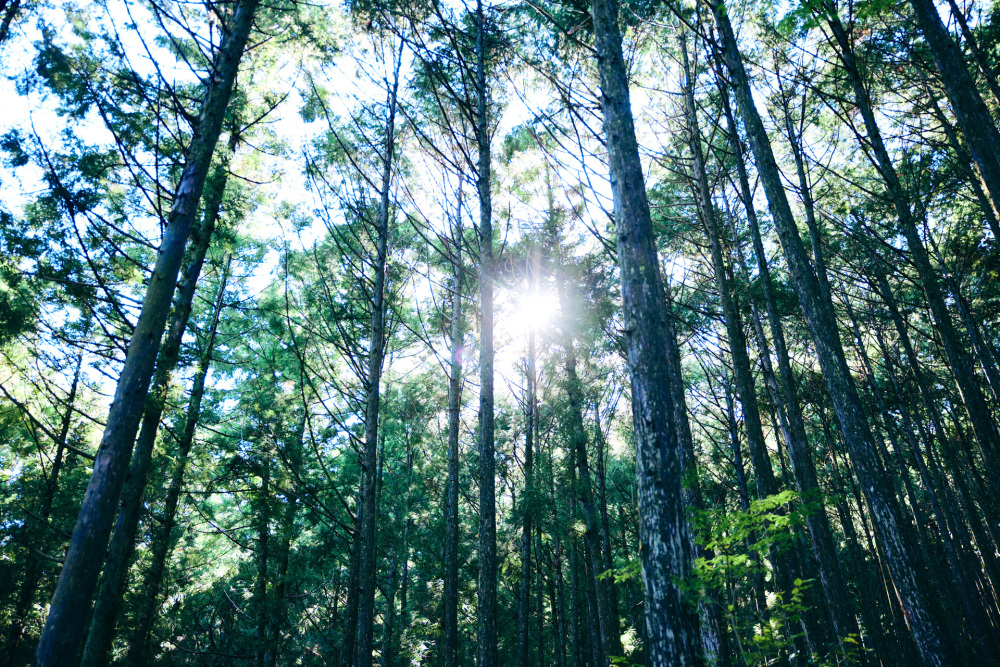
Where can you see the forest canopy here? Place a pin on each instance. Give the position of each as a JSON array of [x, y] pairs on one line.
[[510, 332]]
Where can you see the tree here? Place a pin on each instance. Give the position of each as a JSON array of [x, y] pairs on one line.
[[64, 626]]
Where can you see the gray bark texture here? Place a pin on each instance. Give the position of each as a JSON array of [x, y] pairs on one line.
[[486, 650], [672, 632]]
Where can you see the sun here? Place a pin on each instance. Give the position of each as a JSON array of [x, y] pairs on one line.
[[532, 311]]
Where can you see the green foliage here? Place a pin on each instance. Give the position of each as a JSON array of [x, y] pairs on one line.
[[740, 540]]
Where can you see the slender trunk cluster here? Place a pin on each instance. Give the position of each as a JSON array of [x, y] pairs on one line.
[[111, 592], [65, 625], [900, 555]]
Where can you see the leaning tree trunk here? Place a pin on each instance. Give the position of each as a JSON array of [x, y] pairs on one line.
[[112, 590], [673, 636], [900, 555], [972, 114], [965, 161], [66, 624], [153, 579], [781, 387], [766, 484], [973, 400], [976, 632]]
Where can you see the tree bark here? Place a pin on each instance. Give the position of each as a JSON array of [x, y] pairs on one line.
[[112, 589], [972, 397], [162, 542], [971, 112], [766, 484], [451, 542], [350, 636], [66, 625], [486, 645], [259, 601], [293, 458], [527, 497], [713, 633], [376, 355], [673, 636], [900, 555]]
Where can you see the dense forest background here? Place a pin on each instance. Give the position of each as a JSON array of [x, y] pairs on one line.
[[518, 333]]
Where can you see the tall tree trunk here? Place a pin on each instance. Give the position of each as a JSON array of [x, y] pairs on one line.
[[162, 541], [600, 589], [112, 589], [900, 555], [388, 616], [561, 620], [965, 161], [293, 457], [259, 601], [578, 645], [350, 636], [766, 484], [977, 636], [972, 397], [608, 564], [787, 403], [376, 355], [528, 497], [557, 598], [540, 582], [486, 645], [450, 643], [404, 584], [977, 53], [713, 633], [673, 636], [66, 625]]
